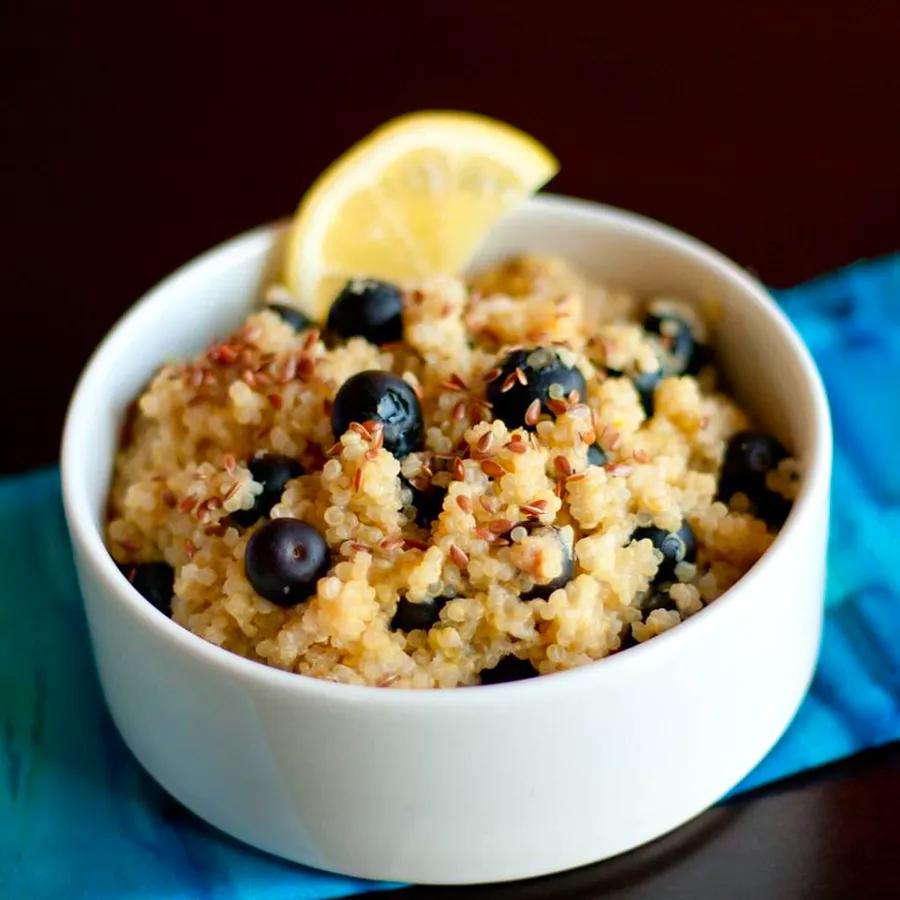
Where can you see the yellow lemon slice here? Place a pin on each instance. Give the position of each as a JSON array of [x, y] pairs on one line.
[[413, 199]]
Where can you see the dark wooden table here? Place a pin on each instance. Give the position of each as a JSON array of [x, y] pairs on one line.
[[136, 136]]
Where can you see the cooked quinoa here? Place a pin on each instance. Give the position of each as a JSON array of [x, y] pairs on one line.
[[533, 551]]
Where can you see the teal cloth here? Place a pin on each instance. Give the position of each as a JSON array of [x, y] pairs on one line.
[[79, 818]]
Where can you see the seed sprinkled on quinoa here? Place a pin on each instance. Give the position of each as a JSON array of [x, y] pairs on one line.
[[533, 412], [459, 556], [492, 468]]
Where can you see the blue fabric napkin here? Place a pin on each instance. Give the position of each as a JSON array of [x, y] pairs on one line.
[[79, 818]]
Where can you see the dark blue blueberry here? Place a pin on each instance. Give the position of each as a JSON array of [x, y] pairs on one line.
[[410, 616], [750, 455], [658, 599], [675, 546], [626, 638], [543, 591], [370, 309], [290, 314], [772, 508], [541, 367], [596, 455], [381, 397], [510, 668], [273, 471], [153, 580], [676, 341], [701, 357], [284, 559], [645, 384], [428, 503]]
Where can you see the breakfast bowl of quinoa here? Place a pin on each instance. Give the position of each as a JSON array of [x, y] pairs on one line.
[[473, 577]]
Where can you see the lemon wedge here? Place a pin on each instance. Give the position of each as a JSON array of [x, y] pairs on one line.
[[413, 199]]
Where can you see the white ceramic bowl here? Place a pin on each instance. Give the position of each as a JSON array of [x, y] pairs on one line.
[[477, 784]]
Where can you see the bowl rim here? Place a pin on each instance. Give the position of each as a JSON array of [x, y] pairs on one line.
[[89, 540]]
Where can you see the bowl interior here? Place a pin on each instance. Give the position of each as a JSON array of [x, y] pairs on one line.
[[761, 356]]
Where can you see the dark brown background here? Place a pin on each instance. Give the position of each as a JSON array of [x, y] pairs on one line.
[[136, 135]]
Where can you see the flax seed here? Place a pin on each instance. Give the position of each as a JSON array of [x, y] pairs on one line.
[[492, 468], [412, 543], [508, 383], [459, 556], [290, 370]]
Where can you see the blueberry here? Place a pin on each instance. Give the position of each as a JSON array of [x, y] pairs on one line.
[[626, 638], [547, 377], [284, 560], [772, 508], [428, 503], [153, 580], [510, 668], [658, 599], [675, 546], [368, 308], [385, 398], [273, 472], [596, 455], [543, 591], [701, 357], [676, 341], [645, 383], [410, 616], [290, 314], [748, 457]]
